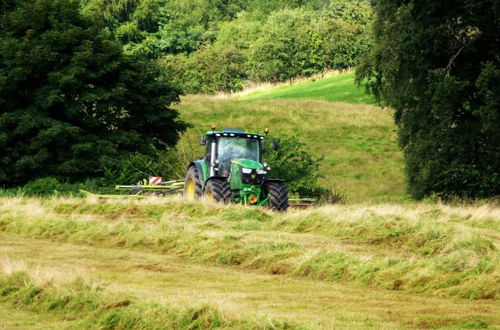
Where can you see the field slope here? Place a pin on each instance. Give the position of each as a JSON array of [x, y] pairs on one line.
[[337, 87], [358, 141]]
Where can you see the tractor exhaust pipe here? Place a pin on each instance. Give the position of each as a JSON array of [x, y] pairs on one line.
[[212, 158]]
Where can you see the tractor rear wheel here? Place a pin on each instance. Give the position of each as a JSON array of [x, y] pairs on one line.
[[192, 184], [279, 196], [218, 190]]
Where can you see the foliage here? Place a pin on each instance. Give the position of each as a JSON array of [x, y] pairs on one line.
[[437, 65], [135, 23], [294, 165], [301, 42], [286, 43], [71, 103], [209, 70]]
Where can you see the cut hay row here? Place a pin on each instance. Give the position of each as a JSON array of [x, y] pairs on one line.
[[428, 249], [86, 304]]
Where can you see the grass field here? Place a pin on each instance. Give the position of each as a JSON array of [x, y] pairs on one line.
[[358, 142], [378, 261], [337, 87], [419, 265]]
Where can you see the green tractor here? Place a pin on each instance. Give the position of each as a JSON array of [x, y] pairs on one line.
[[232, 171]]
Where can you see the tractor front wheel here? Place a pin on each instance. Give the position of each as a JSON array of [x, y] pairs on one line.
[[218, 190], [278, 193], [192, 184]]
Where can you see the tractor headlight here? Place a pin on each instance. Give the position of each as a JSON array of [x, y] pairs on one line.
[[261, 172], [246, 170]]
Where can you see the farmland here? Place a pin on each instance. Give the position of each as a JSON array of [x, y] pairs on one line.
[[378, 260], [358, 141], [350, 266]]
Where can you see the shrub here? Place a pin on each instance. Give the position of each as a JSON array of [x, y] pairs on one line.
[[299, 169]]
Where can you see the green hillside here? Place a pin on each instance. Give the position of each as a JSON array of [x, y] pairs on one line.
[[336, 88], [358, 141]]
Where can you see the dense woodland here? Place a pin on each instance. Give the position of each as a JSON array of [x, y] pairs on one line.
[[219, 46], [77, 76]]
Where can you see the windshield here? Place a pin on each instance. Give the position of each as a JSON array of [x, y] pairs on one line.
[[230, 148]]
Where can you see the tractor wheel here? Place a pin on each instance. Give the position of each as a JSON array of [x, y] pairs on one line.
[[218, 190], [279, 196], [192, 184]]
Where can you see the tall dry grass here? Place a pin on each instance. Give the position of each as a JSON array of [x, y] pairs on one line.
[[424, 248]]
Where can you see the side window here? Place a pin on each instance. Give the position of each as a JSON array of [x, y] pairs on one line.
[[209, 148]]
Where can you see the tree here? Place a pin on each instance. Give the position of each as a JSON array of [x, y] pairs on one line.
[[297, 167], [136, 24], [436, 63], [211, 69], [71, 103]]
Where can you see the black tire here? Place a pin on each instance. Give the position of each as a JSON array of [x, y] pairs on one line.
[[194, 176], [218, 190], [279, 196]]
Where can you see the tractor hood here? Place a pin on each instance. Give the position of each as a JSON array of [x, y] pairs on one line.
[[246, 163]]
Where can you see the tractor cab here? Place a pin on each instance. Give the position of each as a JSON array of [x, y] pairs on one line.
[[228, 145], [232, 170]]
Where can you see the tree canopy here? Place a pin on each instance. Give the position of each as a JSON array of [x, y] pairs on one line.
[[436, 63], [280, 45], [71, 103], [257, 41]]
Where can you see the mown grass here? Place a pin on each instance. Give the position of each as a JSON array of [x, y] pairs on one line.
[[358, 142], [428, 249], [239, 293], [88, 305], [338, 87]]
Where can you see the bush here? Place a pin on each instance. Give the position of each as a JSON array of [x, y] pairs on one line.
[[299, 169], [49, 186], [211, 69]]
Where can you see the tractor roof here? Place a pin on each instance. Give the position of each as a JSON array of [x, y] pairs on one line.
[[236, 132]]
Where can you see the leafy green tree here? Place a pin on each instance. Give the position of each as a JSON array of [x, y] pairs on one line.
[[301, 41], [273, 56], [71, 103], [136, 24], [436, 63], [296, 166], [209, 70]]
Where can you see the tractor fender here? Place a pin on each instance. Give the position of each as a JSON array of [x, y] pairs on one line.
[[274, 180], [216, 177], [200, 172]]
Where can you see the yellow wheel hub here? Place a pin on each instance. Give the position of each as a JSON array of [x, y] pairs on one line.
[[190, 191], [210, 195], [253, 199]]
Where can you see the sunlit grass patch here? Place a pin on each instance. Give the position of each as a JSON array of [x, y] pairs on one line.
[[338, 87]]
